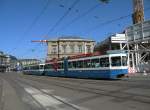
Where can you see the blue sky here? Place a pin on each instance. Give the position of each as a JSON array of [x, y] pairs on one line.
[[24, 20]]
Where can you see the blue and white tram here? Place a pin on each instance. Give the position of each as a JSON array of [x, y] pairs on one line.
[[34, 69], [109, 66]]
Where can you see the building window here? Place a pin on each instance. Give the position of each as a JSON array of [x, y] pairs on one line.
[[72, 48], [88, 48], [54, 49], [64, 48], [80, 48]]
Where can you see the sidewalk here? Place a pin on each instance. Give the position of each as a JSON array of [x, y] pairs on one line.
[[147, 75]]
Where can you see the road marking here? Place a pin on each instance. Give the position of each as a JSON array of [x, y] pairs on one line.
[[32, 90], [44, 99], [47, 101], [47, 91]]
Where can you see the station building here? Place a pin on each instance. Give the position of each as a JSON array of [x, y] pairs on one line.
[[113, 43], [69, 46]]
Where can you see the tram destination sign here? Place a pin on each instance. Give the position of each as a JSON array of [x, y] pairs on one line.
[[138, 32]]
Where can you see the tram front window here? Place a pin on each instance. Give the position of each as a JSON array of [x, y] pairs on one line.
[[41, 66], [116, 61]]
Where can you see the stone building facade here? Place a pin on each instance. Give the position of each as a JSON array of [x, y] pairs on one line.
[[7, 62], [3, 62], [27, 62], [3, 58], [69, 46]]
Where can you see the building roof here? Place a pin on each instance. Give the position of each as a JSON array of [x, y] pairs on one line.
[[29, 60], [71, 38], [115, 38]]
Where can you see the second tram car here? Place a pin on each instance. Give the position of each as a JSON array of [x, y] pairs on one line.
[[34, 69]]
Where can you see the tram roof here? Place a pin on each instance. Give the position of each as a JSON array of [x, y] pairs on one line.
[[99, 56]]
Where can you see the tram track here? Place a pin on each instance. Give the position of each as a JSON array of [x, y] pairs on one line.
[[24, 82], [74, 81], [116, 94]]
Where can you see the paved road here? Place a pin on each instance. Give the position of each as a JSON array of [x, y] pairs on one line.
[[27, 92]]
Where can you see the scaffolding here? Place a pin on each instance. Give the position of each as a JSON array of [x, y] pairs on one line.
[[138, 37]]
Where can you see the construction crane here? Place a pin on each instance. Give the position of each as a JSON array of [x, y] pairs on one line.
[[43, 41], [138, 11]]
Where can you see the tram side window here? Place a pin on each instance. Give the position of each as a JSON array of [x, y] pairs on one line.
[[31, 67], [79, 64], [36, 67], [70, 65], [95, 63], [116, 61], [104, 62], [60, 65], [48, 66], [26, 68], [87, 63], [74, 64], [124, 61]]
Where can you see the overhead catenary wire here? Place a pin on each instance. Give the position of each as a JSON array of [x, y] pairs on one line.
[[62, 17], [65, 14], [110, 21], [32, 24], [59, 20], [105, 23], [79, 17]]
